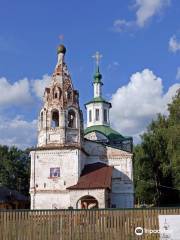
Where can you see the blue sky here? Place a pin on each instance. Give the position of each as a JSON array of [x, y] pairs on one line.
[[139, 40]]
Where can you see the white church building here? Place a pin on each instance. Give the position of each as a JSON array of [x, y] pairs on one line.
[[76, 168]]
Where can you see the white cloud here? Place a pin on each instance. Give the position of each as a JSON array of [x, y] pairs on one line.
[[178, 73], [17, 93], [120, 25], [174, 44], [40, 84], [146, 9], [136, 104], [17, 132], [113, 66]]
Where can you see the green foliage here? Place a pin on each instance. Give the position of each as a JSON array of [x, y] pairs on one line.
[[157, 160], [14, 169], [174, 138]]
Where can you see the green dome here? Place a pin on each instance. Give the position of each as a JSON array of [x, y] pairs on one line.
[[97, 76], [61, 49]]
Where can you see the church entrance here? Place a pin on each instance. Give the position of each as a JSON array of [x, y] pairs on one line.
[[87, 202]]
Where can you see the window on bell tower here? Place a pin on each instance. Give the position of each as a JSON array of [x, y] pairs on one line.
[[97, 115], [71, 119], [105, 115], [55, 119], [90, 116]]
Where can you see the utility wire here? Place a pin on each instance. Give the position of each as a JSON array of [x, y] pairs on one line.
[[160, 185]]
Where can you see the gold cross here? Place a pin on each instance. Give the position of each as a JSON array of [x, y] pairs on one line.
[[97, 56]]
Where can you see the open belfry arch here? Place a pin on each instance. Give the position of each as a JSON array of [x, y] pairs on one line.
[[72, 167]]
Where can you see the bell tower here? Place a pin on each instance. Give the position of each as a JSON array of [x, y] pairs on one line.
[[98, 108], [60, 121]]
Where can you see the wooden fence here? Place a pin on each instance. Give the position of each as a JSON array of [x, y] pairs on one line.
[[101, 224]]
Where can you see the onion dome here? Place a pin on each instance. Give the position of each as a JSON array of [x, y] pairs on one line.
[[61, 49]]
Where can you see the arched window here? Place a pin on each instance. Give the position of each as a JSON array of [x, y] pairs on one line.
[[56, 93], [71, 119], [41, 119], [55, 119]]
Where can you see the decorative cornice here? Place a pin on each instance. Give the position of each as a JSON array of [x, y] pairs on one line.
[[59, 147]]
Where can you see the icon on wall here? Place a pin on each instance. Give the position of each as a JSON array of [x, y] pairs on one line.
[[54, 172]]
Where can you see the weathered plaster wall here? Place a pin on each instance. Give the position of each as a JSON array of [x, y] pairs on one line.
[[51, 200], [52, 191], [42, 161]]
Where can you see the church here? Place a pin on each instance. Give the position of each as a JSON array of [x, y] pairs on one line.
[[73, 167]]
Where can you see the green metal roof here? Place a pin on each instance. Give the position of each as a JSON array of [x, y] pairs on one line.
[[107, 131], [97, 100]]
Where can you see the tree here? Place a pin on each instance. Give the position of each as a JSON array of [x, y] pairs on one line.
[[157, 159], [14, 169], [174, 139]]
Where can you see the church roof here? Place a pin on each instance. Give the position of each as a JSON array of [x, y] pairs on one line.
[[97, 100], [94, 176], [107, 131]]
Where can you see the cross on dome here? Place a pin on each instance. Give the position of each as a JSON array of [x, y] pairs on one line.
[[97, 56]]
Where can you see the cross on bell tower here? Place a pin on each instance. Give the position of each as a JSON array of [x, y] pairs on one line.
[[98, 57]]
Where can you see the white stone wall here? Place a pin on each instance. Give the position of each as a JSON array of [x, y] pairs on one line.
[[51, 200], [98, 194], [42, 184], [49, 192]]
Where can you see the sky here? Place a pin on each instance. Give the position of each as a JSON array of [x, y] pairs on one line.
[[139, 41]]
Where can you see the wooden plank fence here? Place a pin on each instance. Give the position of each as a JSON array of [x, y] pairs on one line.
[[100, 224]]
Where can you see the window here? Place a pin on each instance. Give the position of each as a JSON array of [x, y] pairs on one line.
[[97, 114], [54, 172], [105, 115], [41, 119], [55, 119], [56, 93], [90, 115], [71, 119]]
